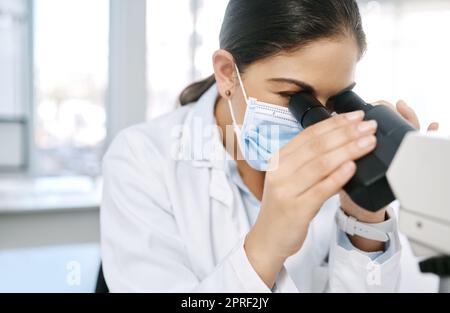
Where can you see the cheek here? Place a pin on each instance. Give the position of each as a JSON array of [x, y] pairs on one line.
[[239, 107], [269, 96], [279, 100]]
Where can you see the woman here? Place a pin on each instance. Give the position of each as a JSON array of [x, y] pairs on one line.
[[187, 208]]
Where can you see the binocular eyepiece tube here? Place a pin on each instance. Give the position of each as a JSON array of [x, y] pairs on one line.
[[369, 187]]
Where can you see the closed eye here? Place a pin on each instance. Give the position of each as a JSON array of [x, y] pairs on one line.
[[286, 95]]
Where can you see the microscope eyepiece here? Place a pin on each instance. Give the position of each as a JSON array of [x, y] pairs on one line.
[[349, 101], [307, 109]]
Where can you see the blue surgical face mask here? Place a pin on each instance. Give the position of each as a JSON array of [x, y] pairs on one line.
[[266, 129]]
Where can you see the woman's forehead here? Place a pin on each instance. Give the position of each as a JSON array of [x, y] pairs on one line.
[[324, 65]]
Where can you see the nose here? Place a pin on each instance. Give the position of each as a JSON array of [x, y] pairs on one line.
[[322, 99]]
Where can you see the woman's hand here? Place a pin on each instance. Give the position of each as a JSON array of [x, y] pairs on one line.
[[361, 214], [306, 172]]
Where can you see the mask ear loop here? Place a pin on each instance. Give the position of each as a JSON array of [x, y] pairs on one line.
[[235, 125], [241, 83], [236, 128], [230, 105]]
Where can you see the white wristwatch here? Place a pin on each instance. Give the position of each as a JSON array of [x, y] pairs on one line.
[[376, 231]]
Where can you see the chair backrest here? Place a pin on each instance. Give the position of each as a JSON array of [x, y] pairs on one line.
[[101, 286]]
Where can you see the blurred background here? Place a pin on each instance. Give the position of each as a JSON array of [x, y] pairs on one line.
[[75, 72]]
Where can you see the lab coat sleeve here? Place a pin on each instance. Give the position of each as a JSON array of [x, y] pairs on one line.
[[352, 270], [142, 250]]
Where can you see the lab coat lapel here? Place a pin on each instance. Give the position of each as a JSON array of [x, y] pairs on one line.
[[219, 188], [230, 222], [227, 213]]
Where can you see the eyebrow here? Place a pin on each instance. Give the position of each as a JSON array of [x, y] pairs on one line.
[[307, 87]]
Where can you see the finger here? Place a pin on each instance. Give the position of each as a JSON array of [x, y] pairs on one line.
[[408, 113], [318, 146], [433, 127], [403, 110], [317, 195], [321, 128], [316, 170]]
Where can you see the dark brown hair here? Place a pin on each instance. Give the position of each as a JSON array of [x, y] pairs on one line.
[[256, 29]]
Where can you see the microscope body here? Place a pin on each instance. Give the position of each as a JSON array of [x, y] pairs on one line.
[[369, 187]]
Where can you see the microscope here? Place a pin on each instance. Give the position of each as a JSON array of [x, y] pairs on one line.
[[406, 165]]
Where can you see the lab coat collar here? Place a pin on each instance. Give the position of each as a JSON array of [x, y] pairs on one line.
[[201, 134]]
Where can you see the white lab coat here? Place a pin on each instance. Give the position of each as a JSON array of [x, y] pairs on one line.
[[171, 225]]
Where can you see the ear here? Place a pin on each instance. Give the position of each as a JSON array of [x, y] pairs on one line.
[[224, 71]]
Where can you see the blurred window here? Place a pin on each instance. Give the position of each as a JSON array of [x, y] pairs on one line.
[[182, 35], [13, 57], [14, 83], [408, 56], [71, 69]]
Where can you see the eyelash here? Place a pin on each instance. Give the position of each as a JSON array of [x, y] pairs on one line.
[[286, 95]]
